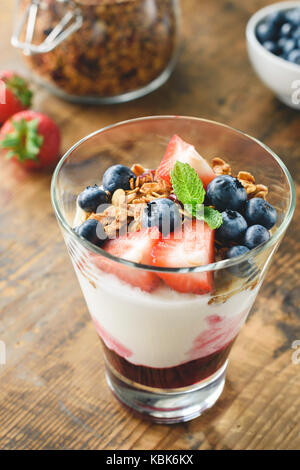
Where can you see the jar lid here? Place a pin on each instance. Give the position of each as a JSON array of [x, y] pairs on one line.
[[70, 22]]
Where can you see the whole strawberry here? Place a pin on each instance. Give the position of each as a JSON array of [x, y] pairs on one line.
[[31, 139], [15, 95]]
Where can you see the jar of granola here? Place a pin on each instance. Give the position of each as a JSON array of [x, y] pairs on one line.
[[98, 51]]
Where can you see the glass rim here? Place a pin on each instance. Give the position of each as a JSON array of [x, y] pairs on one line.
[[217, 265]]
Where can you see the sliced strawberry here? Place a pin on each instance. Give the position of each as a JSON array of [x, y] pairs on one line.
[[136, 247], [179, 150], [194, 246]]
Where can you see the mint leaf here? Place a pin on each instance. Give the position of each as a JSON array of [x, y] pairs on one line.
[[186, 184], [212, 217], [189, 190]]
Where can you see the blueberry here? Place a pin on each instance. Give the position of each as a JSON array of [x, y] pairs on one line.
[[117, 177], [294, 56], [289, 45], [246, 268], [296, 33], [286, 30], [277, 18], [266, 32], [237, 250], [259, 211], [272, 46], [293, 16], [255, 235], [162, 213], [92, 231], [226, 192], [281, 43], [91, 198], [233, 227]]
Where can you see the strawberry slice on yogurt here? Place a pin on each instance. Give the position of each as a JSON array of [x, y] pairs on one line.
[[194, 246], [179, 150], [136, 247]]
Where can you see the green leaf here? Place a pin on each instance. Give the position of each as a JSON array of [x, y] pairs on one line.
[[10, 155], [212, 217], [10, 140], [190, 192], [20, 89], [23, 142], [186, 184]]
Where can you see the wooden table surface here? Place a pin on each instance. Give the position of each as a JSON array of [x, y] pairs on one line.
[[53, 393]]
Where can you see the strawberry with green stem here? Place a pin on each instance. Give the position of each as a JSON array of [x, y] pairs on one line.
[[31, 139], [15, 95]]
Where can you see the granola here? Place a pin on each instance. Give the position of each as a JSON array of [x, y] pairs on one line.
[[128, 205], [252, 189], [220, 167]]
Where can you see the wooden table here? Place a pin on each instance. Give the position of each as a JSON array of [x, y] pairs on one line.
[[53, 393]]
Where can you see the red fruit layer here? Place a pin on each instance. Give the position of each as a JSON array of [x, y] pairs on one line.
[[183, 375], [212, 345], [220, 331], [111, 342]]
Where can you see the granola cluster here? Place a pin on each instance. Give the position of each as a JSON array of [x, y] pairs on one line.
[[122, 46], [252, 189], [126, 209]]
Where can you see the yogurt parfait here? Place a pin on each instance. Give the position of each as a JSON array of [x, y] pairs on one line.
[[146, 243]]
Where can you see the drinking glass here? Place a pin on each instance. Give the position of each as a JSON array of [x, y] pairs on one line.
[[166, 352]]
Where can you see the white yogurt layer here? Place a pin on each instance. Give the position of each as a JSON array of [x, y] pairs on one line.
[[163, 328]]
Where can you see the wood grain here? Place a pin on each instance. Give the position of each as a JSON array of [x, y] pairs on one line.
[[53, 393]]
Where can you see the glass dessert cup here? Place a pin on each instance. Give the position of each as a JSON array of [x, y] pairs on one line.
[[166, 352]]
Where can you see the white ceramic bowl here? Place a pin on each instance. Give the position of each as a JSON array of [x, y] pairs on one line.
[[281, 76]]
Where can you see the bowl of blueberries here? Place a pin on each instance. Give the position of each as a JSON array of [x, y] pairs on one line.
[[273, 41]]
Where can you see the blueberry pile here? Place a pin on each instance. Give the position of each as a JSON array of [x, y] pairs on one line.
[[279, 33], [246, 223], [94, 199]]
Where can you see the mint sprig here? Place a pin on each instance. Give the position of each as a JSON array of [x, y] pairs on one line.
[[210, 215], [190, 192], [186, 184]]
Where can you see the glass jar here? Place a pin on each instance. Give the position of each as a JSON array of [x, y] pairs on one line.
[[98, 51]]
